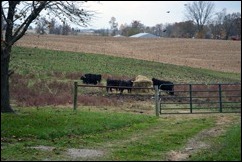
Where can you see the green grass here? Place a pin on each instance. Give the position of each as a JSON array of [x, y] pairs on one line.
[[54, 123], [224, 148], [169, 136], [124, 136], [42, 61]]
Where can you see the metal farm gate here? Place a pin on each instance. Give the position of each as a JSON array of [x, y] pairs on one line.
[[200, 98], [189, 98]]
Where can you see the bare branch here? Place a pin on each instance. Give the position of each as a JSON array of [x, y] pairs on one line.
[[24, 26], [27, 12], [200, 12]]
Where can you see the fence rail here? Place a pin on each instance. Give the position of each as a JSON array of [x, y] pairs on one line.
[[76, 85], [189, 98], [201, 98]]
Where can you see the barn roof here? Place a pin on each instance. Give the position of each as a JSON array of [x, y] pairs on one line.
[[144, 35], [118, 35]]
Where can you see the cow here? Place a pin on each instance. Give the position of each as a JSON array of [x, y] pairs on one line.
[[164, 85], [112, 82], [91, 78], [125, 84]]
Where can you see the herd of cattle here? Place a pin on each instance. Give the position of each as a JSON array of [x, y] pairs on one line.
[[121, 85]]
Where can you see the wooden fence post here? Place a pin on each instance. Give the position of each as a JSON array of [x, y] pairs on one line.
[[220, 98], [190, 92], [157, 104], [75, 96]]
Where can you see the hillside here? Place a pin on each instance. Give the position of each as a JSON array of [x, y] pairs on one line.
[[219, 55]]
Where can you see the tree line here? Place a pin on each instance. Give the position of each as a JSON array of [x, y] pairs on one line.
[[222, 26], [199, 24]]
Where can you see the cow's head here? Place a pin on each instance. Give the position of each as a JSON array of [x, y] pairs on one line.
[[83, 77]]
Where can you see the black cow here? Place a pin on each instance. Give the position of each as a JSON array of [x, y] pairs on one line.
[[91, 78], [164, 85], [112, 82], [128, 84]]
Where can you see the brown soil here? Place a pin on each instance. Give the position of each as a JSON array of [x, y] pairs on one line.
[[220, 55]]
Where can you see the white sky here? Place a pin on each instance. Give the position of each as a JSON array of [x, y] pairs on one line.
[[148, 13]]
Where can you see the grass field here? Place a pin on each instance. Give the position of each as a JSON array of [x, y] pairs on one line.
[[45, 77], [50, 133], [34, 61], [219, 55]]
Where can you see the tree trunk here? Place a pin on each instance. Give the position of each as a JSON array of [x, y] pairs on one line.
[[5, 96]]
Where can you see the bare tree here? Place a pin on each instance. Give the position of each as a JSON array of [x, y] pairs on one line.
[[114, 25], [136, 27], [158, 29], [199, 12], [42, 26], [232, 25], [216, 25], [18, 16], [52, 26], [237, 23]]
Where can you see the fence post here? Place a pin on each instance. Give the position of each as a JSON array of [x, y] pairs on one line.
[[75, 96], [190, 92], [157, 109], [220, 97]]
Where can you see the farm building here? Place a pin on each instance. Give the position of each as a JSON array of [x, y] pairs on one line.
[[144, 35], [118, 35]]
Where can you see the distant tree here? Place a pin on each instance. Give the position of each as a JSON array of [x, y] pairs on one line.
[[18, 16], [216, 25], [158, 29], [114, 26], [52, 26], [58, 29], [200, 12], [232, 24], [124, 29], [237, 23], [102, 32], [136, 27], [187, 29], [121, 28], [66, 29], [168, 30], [149, 30], [42, 25]]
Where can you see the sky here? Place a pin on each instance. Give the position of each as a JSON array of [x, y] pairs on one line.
[[148, 13]]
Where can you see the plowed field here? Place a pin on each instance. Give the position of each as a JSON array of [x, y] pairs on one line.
[[219, 55]]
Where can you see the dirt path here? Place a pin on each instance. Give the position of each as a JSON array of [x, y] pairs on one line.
[[197, 143], [193, 145]]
